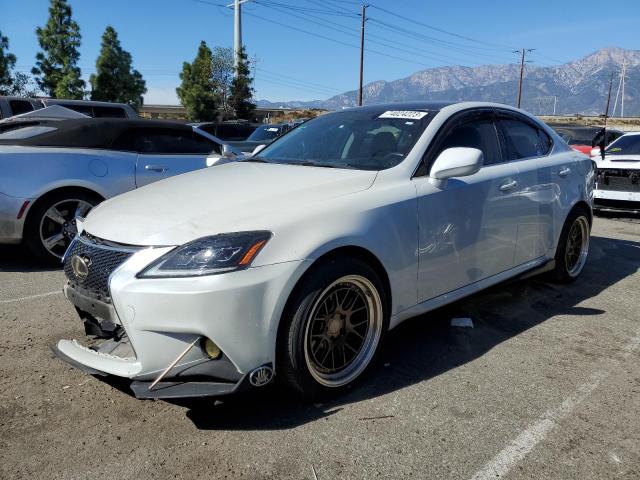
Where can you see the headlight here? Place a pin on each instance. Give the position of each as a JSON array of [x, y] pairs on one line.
[[209, 256]]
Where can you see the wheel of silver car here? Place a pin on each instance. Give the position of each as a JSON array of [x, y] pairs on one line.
[[577, 246], [343, 331], [52, 223], [58, 224]]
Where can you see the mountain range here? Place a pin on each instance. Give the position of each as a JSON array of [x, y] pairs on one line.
[[578, 86]]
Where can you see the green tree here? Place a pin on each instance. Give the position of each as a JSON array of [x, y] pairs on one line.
[[56, 67], [197, 92], [7, 63], [115, 80], [242, 90], [223, 77], [24, 85]]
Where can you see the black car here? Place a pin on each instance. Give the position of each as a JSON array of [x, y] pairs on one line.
[[230, 131], [263, 135]]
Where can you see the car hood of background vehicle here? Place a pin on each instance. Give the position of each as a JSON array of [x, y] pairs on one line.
[[233, 197]]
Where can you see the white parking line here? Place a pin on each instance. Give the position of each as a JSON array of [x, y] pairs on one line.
[[40, 295], [535, 433]]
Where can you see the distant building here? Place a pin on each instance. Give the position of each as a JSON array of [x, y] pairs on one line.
[[178, 112]]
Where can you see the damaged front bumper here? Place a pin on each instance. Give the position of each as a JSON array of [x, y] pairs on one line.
[[152, 331]]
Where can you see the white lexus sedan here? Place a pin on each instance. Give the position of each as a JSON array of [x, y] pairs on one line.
[[294, 263]]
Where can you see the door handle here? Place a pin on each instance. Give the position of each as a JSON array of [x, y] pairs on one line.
[[564, 172], [156, 168], [505, 187]]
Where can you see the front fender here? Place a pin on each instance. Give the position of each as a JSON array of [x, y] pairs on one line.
[[381, 221]]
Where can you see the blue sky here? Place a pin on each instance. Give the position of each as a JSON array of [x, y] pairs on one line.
[[295, 62]]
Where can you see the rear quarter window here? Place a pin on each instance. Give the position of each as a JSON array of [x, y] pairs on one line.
[[20, 106]]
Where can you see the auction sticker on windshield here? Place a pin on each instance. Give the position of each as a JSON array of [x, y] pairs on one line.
[[410, 114]]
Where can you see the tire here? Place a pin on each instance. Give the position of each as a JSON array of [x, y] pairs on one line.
[[573, 247], [53, 217], [331, 328]]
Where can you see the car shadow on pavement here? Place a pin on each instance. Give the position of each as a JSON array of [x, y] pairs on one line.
[[16, 258], [427, 346]]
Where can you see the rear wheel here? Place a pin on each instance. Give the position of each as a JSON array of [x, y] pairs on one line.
[[573, 247], [332, 327], [51, 224]]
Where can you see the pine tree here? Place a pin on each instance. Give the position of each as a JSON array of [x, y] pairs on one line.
[[56, 67], [115, 80], [241, 89], [7, 63], [197, 92]]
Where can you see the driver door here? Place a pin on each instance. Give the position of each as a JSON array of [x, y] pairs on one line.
[[468, 228], [165, 152]]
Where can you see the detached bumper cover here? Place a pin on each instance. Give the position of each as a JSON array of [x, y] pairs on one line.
[[160, 317]]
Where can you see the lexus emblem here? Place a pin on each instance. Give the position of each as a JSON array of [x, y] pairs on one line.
[[80, 265]]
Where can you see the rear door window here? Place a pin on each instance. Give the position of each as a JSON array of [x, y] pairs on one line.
[[84, 109], [109, 112], [522, 139]]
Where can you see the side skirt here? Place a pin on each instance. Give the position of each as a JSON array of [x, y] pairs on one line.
[[528, 269]]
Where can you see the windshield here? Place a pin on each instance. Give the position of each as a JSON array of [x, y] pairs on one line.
[[359, 139], [625, 145], [266, 132], [577, 136]]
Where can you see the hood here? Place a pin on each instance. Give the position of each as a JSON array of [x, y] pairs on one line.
[[618, 161], [232, 197]]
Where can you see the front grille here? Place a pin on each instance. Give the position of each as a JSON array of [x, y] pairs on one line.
[[618, 179], [101, 260]]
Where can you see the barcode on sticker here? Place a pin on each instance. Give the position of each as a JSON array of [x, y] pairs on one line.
[[410, 114]]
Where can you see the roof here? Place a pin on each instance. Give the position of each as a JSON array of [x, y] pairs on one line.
[[82, 133], [418, 105]]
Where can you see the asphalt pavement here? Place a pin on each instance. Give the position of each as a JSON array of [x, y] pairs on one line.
[[545, 385]]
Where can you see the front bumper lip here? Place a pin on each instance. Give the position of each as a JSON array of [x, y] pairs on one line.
[[162, 390]]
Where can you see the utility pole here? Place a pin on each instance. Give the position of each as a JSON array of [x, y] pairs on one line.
[[620, 87], [624, 72], [364, 10], [606, 116], [522, 52], [606, 109], [237, 32], [555, 102]]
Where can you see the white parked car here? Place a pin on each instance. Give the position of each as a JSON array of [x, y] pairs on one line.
[[618, 175], [56, 170], [297, 261]]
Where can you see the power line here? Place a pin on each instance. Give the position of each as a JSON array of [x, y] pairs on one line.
[[431, 27], [374, 39]]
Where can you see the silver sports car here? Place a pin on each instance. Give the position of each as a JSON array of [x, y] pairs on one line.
[[55, 171]]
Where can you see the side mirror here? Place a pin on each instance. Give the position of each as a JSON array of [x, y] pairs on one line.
[[455, 162], [227, 152], [257, 150]]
